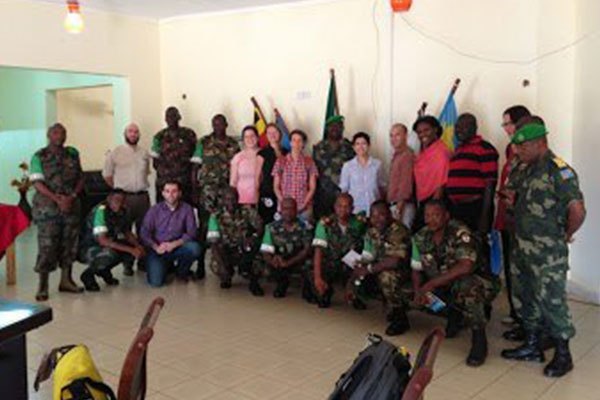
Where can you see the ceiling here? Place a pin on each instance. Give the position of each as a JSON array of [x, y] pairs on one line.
[[170, 8]]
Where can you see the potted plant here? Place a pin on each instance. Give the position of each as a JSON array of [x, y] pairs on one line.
[[23, 184]]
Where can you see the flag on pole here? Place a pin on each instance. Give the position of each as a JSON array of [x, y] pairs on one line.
[[260, 123], [448, 118], [285, 133], [332, 102]]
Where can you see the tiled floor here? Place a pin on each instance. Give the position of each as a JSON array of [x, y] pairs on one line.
[[215, 344]]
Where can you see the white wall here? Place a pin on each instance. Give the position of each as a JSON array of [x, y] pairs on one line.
[[32, 35]]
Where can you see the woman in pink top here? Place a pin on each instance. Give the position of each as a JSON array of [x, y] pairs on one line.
[[246, 168], [431, 165]]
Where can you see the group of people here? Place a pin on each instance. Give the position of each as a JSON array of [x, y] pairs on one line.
[[416, 240]]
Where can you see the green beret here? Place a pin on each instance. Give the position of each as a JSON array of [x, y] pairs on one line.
[[529, 132], [333, 119]]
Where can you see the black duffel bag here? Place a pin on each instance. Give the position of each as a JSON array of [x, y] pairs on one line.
[[380, 372]]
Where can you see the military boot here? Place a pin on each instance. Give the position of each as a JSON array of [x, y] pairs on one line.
[[42, 293], [530, 350], [399, 323], [282, 287], [66, 282], [325, 300], [454, 322], [479, 348], [307, 292], [89, 281], [561, 362], [255, 288], [514, 335]]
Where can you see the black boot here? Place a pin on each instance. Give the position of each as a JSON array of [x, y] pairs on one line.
[[398, 322], [89, 281], [479, 348], [358, 304], [454, 323], [530, 350], [325, 300], [514, 335], [281, 289], [255, 288], [307, 292], [226, 283], [561, 362]]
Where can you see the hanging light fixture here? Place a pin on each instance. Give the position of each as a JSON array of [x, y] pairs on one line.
[[73, 20]]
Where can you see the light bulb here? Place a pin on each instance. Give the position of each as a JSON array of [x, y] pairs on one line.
[[73, 20]]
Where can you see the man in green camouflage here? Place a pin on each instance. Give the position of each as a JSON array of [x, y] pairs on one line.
[[549, 208], [107, 241], [234, 233], [335, 236], [211, 159], [172, 152], [286, 249], [384, 265], [447, 262], [58, 179], [330, 154]]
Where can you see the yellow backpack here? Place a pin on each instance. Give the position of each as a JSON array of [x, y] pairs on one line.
[[75, 375]]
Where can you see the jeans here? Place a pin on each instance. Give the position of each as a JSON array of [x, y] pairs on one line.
[[182, 258]]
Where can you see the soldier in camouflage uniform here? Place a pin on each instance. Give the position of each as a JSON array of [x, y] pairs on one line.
[[172, 152], [384, 265], [234, 233], [107, 241], [335, 236], [286, 249], [447, 261], [549, 208], [212, 160], [330, 154], [58, 179]]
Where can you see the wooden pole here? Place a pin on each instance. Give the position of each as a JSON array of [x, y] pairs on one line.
[[422, 110], [455, 86], [255, 103]]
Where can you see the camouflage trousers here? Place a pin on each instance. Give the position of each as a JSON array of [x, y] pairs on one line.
[[469, 295], [388, 284], [101, 260], [539, 287], [263, 270], [331, 272], [225, 258], [57, 242]]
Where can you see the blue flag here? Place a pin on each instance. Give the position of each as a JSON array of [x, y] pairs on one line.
[[285, 133], [448, 119]]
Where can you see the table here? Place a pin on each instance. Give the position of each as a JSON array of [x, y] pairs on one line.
[[14, 221], [16, 319]]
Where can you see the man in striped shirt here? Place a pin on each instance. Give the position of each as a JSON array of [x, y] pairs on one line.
[[472, 177]]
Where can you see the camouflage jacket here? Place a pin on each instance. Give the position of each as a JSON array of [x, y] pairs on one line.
[[172, 151], [337, 241], [102, 220], [60, 172], [394, 242], [215, 158], [457, 244], [544, 191], [277, 240], [330, 161], [233, 228]]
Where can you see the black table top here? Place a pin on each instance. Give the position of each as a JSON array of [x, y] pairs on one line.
[[17, 318]]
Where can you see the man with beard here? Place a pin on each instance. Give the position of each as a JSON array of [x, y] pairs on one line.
[[127, 167]]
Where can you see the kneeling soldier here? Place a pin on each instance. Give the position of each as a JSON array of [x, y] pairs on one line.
[[107, 241], [234, 234], [384, 264], [447, 262], [335, 236], [286, 248]]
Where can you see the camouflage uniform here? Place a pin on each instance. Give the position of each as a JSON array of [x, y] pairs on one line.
[[468, 294], [394, 242], [57, 232], [544, 191], [277, 240], [172, 152], [115, 225], [329, 162], [231, 230], [336, 243]]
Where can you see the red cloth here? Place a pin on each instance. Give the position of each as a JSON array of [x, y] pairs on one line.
[[431, 169], [13, 221], [295, 176]]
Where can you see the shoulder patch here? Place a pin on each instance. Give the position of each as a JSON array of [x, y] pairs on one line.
[[72, 151], [567, 173], [559, 162]]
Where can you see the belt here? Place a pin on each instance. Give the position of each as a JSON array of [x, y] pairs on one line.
[[141, 192]]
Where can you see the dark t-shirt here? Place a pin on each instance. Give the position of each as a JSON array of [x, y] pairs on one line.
[[269, 156]]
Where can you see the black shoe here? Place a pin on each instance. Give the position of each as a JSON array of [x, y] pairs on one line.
[[514, 335], [454, 323], [110, 280], [487, 309], [325, 300], [561, 362], [279, 293], [398, 323], [255, 288], [529, 351], [89, 282], [479, 348], [128, 270], [307, 293], [200, 273], [226, 284], [359, 305]]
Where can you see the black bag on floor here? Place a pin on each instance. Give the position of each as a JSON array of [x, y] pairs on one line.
[[380, 372]]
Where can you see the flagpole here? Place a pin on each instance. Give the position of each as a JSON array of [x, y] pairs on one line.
[[455, 87], [258, 108], [335, 96], [422, 110]]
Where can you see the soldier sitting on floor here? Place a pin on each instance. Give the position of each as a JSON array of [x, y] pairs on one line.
[[335, 236], [107, 241], [286, 249], [234, 234]]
